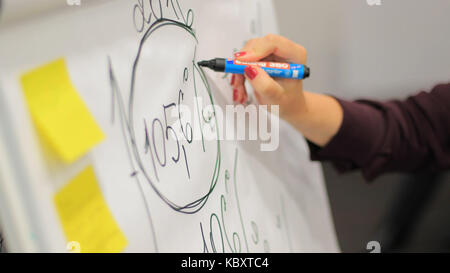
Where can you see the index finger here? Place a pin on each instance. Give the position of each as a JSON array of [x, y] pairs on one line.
[[271, 44]]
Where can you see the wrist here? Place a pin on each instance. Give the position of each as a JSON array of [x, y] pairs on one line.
[[299, 110], [318, 119]]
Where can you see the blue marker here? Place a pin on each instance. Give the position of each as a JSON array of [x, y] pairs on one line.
[[280, 70]]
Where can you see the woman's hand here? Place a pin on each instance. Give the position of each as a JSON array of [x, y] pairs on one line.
[[287, 93], [317, 117]]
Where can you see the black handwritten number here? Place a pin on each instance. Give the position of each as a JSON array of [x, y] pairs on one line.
[[190, 14], [180, 99], [165, 133], [148, 149], [138, 13], [185, 75], [166, 137], [186, 161], [187, 127], [160, 10], [223, 208], [157, 13], [237, 245], [186, 130], [169, 128], [163, 164], [139, 16], [211, 237]]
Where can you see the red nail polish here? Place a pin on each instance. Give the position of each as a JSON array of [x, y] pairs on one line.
[[240, 54], [232, 79], [251, 72], [235, 94]]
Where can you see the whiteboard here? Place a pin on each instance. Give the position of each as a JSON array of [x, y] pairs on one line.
[[220, 195]]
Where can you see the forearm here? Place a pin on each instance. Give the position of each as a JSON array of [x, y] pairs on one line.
[[379, 137], [376, 137], [318, 119]]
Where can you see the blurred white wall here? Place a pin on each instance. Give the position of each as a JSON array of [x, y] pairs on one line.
[[356, 50], [15, 11]]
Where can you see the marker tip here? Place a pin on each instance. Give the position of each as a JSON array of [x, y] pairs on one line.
[[203, 63]]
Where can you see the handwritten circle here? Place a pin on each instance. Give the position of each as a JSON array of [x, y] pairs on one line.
[[198, 202]]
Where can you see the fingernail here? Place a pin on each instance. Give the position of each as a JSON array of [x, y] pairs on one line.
[[235, 94], [251, 72], [240, 54], [232, 79]]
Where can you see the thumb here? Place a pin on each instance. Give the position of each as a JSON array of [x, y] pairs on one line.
[[263, 84]]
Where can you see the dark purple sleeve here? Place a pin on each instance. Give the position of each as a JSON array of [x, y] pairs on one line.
[[393, 136]]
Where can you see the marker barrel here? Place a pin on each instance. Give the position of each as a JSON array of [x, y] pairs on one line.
[[280, 70]]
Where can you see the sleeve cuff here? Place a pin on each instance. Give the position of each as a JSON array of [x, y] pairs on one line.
[[352, 146]]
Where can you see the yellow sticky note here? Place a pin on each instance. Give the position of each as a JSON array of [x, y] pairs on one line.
[[59, 114], [85, 216]]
